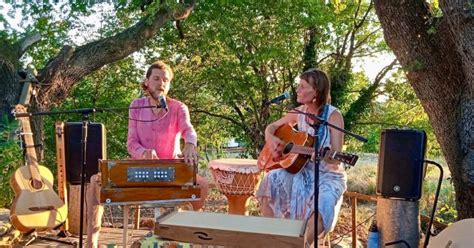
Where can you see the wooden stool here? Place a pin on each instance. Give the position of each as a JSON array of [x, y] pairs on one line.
[[158, 212]]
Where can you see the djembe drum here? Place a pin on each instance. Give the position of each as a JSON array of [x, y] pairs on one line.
[[237, 180]]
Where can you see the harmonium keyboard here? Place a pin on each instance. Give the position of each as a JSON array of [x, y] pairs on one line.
[[147, 181]]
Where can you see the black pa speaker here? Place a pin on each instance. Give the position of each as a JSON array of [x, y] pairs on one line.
[[96, 149], [401, 163]]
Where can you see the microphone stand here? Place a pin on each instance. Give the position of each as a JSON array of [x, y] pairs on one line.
[[433, 211], [85, 112], [318, 123]]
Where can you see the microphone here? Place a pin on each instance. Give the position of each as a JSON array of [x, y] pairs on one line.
[[279, 98], [163, 103]]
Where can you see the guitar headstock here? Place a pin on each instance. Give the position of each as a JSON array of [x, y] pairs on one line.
[[347, 158], [344, 157], [19, 109]]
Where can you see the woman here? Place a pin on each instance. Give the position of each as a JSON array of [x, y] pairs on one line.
[[285, 195]]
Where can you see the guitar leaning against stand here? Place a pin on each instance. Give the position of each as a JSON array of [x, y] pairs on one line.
[[36, 205], [296, 152]]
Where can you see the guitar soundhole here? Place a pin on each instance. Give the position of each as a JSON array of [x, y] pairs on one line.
[[287, 149], [36, 184]]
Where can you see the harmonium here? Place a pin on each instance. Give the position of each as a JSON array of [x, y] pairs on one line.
[[147, 181]]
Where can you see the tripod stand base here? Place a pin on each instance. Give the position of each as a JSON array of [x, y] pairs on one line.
[[64, 234], [34, 237]]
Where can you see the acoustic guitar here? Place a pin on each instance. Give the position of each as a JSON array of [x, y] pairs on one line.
[[297, 150], [458, 234], [36, 206]]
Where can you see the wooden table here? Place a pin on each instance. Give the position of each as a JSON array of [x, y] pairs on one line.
[[156, 204]]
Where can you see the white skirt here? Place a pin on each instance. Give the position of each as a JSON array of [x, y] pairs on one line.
[[291, 196]]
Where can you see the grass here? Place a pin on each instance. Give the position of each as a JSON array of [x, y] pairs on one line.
[[362, 179]]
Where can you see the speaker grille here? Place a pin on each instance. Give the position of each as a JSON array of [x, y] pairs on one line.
[[96, 149], [400, 166]]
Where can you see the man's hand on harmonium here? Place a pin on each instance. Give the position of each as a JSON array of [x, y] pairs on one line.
[[149, 154], [190, 154]]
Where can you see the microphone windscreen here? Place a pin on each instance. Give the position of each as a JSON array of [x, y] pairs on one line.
[[163, 103]]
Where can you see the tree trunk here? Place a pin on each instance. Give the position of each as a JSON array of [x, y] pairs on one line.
[[437, 54], [9, 80]]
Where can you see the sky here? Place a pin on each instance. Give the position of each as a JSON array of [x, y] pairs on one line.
[[372, 66]]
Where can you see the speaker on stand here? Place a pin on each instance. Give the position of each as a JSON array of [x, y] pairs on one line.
[[399, 185], [96, 149], [401, 164]]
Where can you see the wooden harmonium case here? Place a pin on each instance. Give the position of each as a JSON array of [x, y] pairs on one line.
[[230, 230], [147, 181]]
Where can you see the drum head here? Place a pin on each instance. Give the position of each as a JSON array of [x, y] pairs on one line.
[[238, 165]]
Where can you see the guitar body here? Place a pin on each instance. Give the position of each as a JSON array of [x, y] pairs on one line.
[[35, 209], [458, 234], [292, 162], [297, 150]]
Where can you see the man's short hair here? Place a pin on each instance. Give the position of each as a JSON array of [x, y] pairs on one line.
[[160, 65]]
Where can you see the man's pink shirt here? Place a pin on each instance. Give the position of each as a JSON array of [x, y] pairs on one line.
[[163, 134]]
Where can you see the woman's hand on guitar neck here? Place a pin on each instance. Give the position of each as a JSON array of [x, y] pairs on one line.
[[327, 155]]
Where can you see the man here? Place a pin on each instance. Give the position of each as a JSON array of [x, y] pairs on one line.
[[153, 133]]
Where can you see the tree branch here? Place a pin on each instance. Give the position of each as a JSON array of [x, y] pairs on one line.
[[353, 44], [179, 27], [239, 112], [22, 45], [64, 71], [325, 57], [216, 115], [361, 42], [358, 25], [384, 71], [185, 11]]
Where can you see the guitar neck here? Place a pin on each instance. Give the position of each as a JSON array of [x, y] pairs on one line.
[[304, 150], [347, 158], [29, 144], [31, 159]]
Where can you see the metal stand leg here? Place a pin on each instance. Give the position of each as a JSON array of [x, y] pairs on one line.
[[136, 218]]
